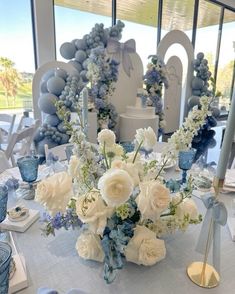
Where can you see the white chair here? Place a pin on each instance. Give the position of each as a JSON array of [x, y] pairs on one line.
[[59, 151], [4, 163], [25, 122], [25, 138], [7, 122]]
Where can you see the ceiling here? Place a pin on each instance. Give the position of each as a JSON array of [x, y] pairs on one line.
[[177, 14]]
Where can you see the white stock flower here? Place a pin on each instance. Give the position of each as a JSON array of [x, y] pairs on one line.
[[73, 166], [92, 210], [114, 150], [153, 199], [55, 192], [115, 186], [147, 137], [187, 207], [106, 136], [89, 246], [144, 248]]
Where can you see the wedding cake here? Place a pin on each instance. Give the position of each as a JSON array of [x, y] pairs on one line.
[[135, 117]]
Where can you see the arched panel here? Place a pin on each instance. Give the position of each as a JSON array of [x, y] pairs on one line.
[[179, 37]]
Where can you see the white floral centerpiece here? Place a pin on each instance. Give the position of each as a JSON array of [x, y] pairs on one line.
[[120, 201]]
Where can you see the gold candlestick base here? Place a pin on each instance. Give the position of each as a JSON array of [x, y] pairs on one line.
[[203, 275]]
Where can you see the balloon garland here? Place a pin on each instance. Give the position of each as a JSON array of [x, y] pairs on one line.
[[201, 87], [57, 85]]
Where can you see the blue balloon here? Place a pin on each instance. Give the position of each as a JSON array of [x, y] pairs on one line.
[[46, 103], [83, 75], [80, 44], [80, 56], [67, 50], [197, 83], [196, 92], [61, 127], [52, 120], [38, 136], [215, 111], [61, 73], [76, 65], [64, 139], [200, 55], [55, 85], [193, 101], [43, 87], [40, 147], [48, 74]]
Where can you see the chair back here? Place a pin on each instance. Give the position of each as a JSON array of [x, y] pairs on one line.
[[10, 120], [25, 137], [59, 151], [4, 163]]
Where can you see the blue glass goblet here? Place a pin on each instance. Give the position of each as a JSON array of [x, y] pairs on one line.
[[186, 158], [28, 167], [5, 260], [3, 210]]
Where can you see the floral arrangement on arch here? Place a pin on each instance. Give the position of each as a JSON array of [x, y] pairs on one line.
[[102, 73], [154, 80], [119, 200]]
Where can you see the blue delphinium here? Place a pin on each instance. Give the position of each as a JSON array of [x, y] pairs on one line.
[[117, 234], [60, 220], [103, 73], [154, 80]]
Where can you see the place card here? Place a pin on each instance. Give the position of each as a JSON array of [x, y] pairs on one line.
[[20, 226]]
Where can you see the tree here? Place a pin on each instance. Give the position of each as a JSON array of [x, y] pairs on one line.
[[10, 78]]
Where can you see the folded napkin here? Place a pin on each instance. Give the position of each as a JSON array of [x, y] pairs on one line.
[[46, 290]]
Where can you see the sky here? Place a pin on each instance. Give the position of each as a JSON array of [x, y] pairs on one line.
[[16, 34]]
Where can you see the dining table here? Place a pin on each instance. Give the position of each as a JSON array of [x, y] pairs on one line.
[[53, 261]]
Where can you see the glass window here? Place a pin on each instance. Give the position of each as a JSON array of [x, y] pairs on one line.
[[226, 62], [72, 23], [16, 55], [140, 19], [208, 26]]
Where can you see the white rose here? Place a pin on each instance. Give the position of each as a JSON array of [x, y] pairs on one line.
[[153, 199], [106, 136], [131, 155], [92, 210], [144, 248], [187, 207], [115, 186], [128, 167], [73, 166], [55, 192], [147, 136], [89, 246]]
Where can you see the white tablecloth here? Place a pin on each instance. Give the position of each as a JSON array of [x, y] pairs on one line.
[[53, 262]]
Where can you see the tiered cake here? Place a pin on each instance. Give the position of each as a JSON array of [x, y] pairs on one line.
[[134, 118]]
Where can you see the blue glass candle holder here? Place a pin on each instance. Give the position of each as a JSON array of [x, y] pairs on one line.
[[185, 162], [5, 260], [4, 236], [3, 202], [28, 167]]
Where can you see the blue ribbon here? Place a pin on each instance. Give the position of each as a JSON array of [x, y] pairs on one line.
[[217, 213], [123, 50]]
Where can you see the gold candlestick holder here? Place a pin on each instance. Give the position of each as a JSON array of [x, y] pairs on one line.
[[202, 273]]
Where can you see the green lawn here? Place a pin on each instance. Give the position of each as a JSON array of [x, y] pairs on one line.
[[22, 100]]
